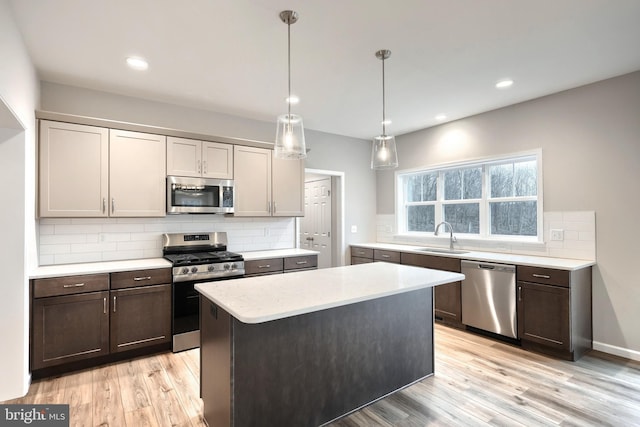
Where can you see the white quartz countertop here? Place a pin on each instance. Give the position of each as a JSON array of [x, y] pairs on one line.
[[530, 260], [98, 267], [265, 298], [276, 253]]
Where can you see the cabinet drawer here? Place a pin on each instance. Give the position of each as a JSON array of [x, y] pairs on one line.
[[543, 275], [357, 260], [297, 262], [361, 252], [387, 256], [69, 285], [260, 266], [430, 261], [134, 279]]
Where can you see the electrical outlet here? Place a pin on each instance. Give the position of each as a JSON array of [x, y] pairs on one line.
[[557, 234], [354, 228]]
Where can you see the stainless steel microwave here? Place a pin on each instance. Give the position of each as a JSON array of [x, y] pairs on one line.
[[199, 195]]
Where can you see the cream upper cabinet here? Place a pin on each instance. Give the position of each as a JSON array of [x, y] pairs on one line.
[[137, 174], [188, 157], [88, 171], [267, 186], [287, 187], [74, 170], [252, 171]]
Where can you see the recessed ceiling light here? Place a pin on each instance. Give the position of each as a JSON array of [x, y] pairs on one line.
[[292, 99], [137, 63], [440, 117], [387, 122], [503, 84]]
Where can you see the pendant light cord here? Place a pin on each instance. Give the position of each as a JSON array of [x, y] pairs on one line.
[[384, 127], [289, 67]]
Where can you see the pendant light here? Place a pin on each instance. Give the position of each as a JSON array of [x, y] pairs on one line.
[[290, 131], [383, 151]]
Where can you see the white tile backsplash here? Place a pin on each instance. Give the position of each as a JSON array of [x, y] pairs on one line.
[[65, 240], [579, 241]]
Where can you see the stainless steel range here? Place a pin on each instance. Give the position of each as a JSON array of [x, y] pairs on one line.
[[196, 258]]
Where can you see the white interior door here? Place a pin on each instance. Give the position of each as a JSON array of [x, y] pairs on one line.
[[315, 226]]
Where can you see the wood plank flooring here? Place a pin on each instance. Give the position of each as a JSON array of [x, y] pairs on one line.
[[478, 382]]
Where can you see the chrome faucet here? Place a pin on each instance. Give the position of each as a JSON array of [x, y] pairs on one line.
[[452, 238]]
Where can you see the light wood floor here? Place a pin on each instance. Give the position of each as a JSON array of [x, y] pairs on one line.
[[478, 382]]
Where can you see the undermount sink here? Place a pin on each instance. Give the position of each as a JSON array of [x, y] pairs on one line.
[[443, 250]]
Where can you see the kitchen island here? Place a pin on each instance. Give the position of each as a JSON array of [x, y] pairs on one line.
[[306, 348]]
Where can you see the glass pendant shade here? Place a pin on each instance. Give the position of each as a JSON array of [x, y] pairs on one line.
[[290, 131], [290, 137], [383, 153]]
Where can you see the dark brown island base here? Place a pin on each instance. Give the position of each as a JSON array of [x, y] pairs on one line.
[[310, 347]]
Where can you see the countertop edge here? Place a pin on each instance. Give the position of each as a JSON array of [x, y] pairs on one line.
[[567, 264], [61, 270]]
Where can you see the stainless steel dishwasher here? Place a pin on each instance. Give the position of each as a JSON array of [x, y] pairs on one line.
[[489, 297]]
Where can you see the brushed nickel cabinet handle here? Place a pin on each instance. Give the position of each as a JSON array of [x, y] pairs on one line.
[[386, 256], [275, 207], [75, 285], [104, 204], [114, 303], [138, 279], [301, 262], [204, 166], [113, 204], [264, 266], [519, 293], [104, 305], [198, 166], [541, 276]]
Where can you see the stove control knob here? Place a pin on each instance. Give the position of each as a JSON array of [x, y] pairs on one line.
[[185, 270], [194, 269], [211, 267], [226, 266], [234, 266]]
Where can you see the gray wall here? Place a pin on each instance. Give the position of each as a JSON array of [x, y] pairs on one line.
[[590, 140], [328, 152], [18, 100]]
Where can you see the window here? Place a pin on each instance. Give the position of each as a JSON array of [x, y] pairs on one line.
[[497, 198]]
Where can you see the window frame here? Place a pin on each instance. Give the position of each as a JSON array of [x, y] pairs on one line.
[[484, 201]]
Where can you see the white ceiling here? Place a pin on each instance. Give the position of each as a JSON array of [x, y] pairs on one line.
[[230, 56]]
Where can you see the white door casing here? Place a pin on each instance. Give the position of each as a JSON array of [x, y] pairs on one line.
[[315, 227]]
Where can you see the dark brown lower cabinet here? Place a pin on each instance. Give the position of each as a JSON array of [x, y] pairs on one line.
[[447, 298], [69, 328], [543, 315], [140, 317]]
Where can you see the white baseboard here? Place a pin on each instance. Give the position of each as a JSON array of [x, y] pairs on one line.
[[617, 351]]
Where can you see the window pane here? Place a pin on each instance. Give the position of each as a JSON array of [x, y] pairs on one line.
[[421, 188], [514, 218], [453, 185], [414, 188], [526, 178], [501, 177], [472, 183], [421, 218], [463, 217], [429, 187]]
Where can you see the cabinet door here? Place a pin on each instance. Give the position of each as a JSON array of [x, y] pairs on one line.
[[73, 170], [288, 187], [447, 298], [137, 174], [217, 160], [140, 317], [184, 157], [543, 315], [252, 172], [69, 328]]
